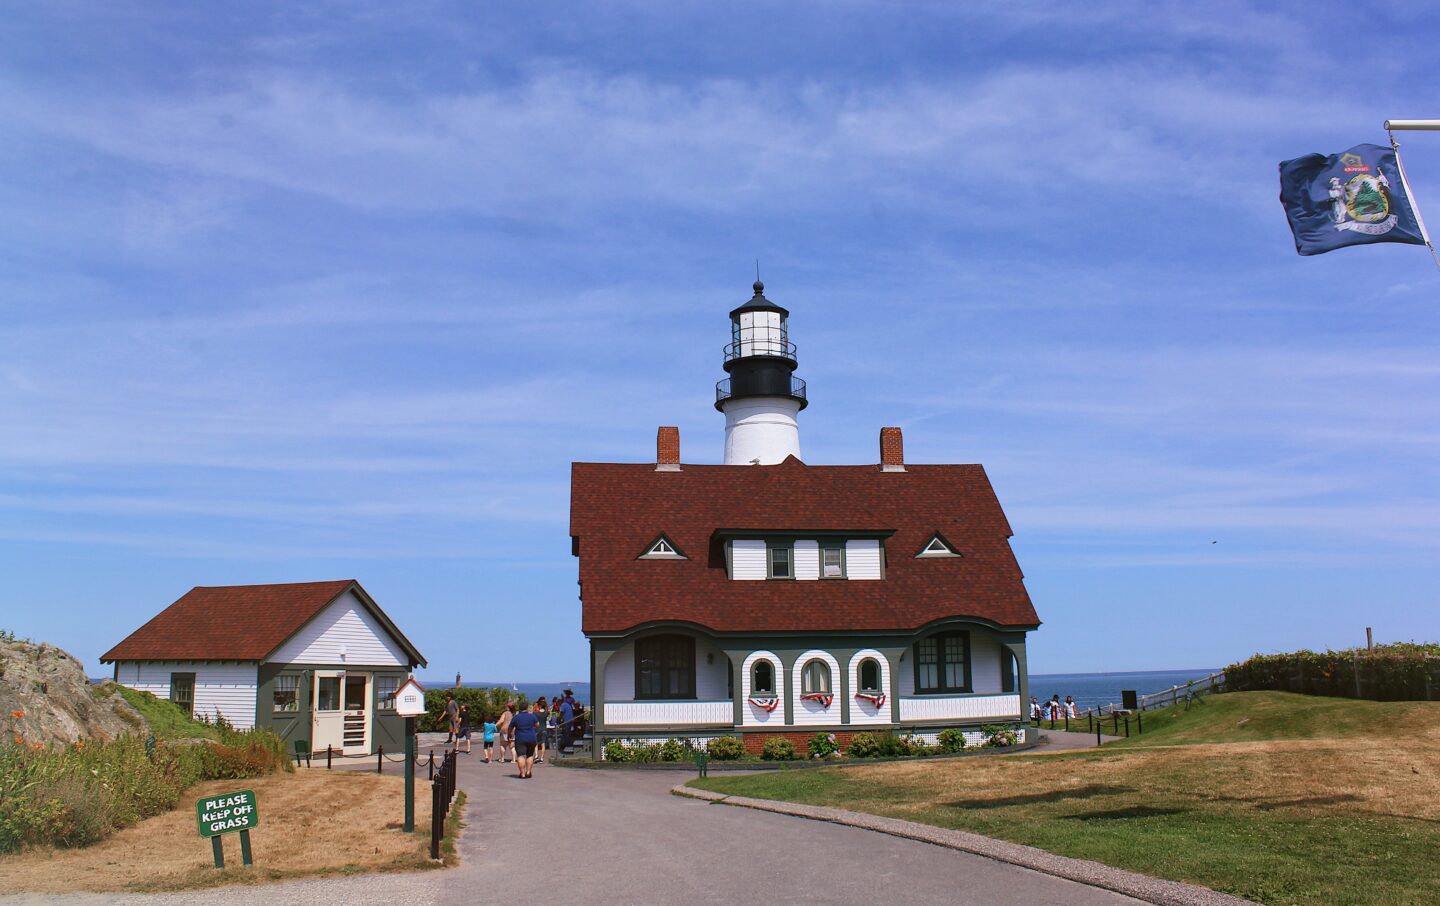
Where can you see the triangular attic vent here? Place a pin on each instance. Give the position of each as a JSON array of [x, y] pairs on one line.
[[937, 546], [662, 548]]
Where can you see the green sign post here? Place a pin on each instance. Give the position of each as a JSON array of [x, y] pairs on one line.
[[225, 814]]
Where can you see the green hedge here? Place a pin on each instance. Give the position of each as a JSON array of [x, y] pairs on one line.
[[1399, 672], [485, 704]]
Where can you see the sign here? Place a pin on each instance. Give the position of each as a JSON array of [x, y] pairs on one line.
[[410, 699], [227, 813]]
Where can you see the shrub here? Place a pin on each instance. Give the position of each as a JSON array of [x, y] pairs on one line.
[[676, 750], [726, 748], [997, 736], [1403, 671], [823, 745], [78, 794], [778, 748], [914, 745], [485, 704], [952, 739], [616, 751], [645, 752], [884, 745]]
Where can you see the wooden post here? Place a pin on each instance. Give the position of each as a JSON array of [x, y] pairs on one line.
[[219, 849], [244, 847], [409, 775]]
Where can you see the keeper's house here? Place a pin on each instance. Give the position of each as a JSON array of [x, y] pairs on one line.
[[313, 661], [766, 596]]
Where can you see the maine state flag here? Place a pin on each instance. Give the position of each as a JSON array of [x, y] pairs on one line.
[[1351, 198]]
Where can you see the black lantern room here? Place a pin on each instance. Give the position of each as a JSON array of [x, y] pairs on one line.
[[760, 358]]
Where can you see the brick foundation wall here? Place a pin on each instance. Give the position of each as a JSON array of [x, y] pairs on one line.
[[755, 742]]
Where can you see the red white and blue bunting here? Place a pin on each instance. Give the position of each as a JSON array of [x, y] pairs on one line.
[[877, 700], [824, 698], [765, 704]]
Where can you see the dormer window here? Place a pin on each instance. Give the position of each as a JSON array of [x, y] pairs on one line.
[[662, 548], [780, 563], [937, 546]]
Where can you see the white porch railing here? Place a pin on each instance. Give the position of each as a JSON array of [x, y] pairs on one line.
[[960, 707], [668, 714]]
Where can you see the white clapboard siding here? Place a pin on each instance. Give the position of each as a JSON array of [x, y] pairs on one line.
[[712, 673], [960, 707], [862, 710], [809, 712], [668, 714], [807, 559], [747, 559], [620, 674], [752, 715], [862, 558], [221, 690], [985, 654], [345, 621]]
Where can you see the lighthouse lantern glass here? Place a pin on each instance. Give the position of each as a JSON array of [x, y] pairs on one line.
[[759, 333]]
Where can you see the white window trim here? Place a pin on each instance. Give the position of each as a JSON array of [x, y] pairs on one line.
[[946, 550], [654, 553]]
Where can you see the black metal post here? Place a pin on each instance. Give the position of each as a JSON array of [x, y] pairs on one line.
[[1097, 733], [1140, 722], [380, 760], [437, 818], [329, 752], [432, 765], [1127, 726]]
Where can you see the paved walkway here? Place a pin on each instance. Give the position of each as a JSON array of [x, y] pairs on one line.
[[622, 837]]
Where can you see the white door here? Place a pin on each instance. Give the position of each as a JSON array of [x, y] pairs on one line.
[[355, 690], [327, 724]]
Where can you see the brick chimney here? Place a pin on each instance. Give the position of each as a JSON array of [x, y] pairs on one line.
[[892, 450], [667, 449]]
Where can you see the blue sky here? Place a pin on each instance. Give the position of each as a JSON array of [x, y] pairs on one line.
[[290, 295]]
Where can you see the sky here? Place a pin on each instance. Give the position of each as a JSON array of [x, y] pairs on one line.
[[340, 291]]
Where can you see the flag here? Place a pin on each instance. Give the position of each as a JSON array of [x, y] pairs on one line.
[[1352, 198]]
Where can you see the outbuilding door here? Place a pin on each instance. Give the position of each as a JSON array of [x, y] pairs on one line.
[[342, 712]]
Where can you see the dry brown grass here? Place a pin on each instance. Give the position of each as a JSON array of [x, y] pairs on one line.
[[312, 822]]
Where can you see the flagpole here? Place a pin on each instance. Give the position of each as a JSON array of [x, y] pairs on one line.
[[1391, 126]]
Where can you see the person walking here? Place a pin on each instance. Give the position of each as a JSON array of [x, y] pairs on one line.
[[452, 717], [507, 749], [567, 725], [1070, 709], [524, 731], [542, 712], [487, 736], [462, 729]]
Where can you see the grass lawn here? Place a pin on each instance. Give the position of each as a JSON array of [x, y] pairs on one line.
[[165, 718], [1275, 797], [296, 838]]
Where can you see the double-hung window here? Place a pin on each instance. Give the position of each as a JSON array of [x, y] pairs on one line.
[[182, 692], [832, 561], [665, 667], [287, 693], [942, 663], [385, 689], [781, 566]]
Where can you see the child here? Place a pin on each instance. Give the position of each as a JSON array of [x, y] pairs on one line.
[[462, 734], [487, 732]]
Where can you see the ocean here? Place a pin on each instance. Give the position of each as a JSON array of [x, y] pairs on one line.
[[1096, 689], [1090, 689]]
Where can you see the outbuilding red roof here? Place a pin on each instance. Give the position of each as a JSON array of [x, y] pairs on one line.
[[618, 509], [238, 622]]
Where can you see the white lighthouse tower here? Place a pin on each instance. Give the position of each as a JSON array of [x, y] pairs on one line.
[[762, 396]]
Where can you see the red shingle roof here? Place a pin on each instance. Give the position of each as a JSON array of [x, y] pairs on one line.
[[235, 622], [616, 509]]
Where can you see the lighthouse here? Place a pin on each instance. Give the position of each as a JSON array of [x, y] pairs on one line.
[[762, 396]]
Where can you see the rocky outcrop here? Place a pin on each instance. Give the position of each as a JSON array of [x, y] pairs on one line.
[[45, 697]]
